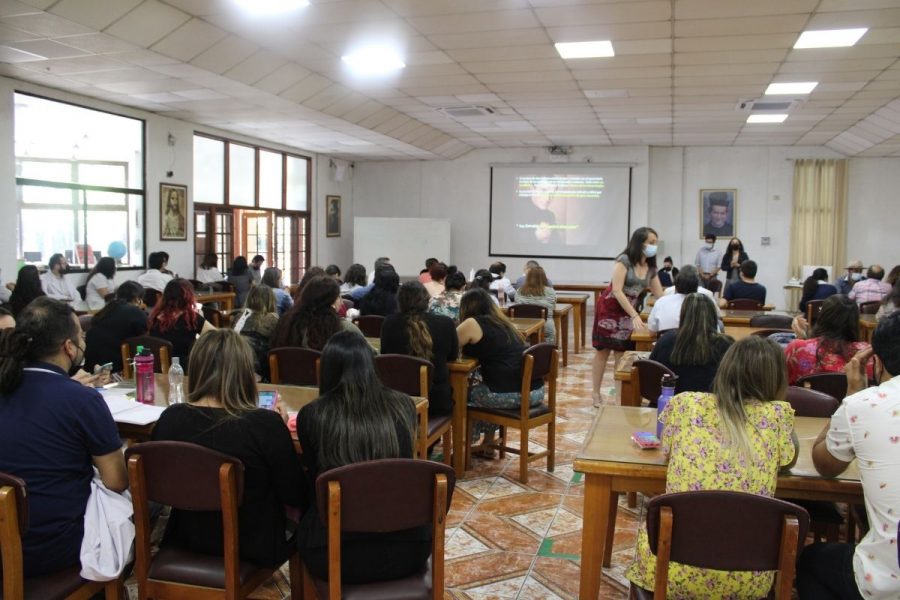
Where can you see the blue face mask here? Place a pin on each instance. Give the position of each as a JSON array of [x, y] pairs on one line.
[[650, 250]]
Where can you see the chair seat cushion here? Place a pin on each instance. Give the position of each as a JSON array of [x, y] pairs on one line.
[[182, 566], [414, 587], [513, 413], [54, 586], [437, 423]]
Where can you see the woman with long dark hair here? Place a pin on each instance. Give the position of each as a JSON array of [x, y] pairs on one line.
[[313, 319], [731, 260], [221, 413], [355, 277], [175, 318], [256, 322], [617, 314], [241, 278], [816, 287], [696, 348], [356, 419], [483, 279], [209, 272], [28, 287], [832, 344], [120, 319], [382, 298], [417, 332], [272, 278], [100, 283]]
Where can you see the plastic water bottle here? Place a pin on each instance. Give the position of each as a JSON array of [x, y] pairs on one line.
[[668, 390], [176, 382], [145, 382]]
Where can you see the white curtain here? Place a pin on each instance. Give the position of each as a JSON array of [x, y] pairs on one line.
[[819, 220]]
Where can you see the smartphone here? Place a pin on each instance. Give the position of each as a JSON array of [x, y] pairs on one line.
[[107, 367], [646, 440], [267, 399]]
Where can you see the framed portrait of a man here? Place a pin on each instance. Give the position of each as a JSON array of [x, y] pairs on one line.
[[172, 211], [332, 216], [718, 213]]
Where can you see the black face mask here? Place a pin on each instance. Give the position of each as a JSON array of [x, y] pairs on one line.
[[77, 364]]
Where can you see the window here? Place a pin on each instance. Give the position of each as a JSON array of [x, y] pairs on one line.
[[259, 204], [79, 183]]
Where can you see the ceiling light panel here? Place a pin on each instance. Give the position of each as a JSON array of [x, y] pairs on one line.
[[766, 118], [830, 38], [596, 49], [791, 88], [373, 61]]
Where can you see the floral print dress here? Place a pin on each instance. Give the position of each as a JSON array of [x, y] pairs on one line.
[[700, 459], [805, 357]]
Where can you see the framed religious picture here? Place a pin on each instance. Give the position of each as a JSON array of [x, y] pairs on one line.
[[332, 216], [718, 213], [172, 211]]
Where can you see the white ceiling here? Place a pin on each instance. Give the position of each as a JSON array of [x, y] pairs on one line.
[[681, 67]]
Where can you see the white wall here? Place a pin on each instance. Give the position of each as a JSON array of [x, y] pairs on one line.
[[333, 250], [873, 230]]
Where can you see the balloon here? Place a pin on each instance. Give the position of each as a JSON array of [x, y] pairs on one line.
[[116, 250]]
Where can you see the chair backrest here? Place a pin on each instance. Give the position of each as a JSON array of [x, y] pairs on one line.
[[85, 321], [744, 304], [82, 291], [649, 377], [212, 315], [833, 384], [294, 365], [370, 325], [768, 332], [540, 361], [408, 374], [773, 321], [869, 308], [151, 297], [21, 503], [748, 529], [162, 352], [807, 402], [13, 523], [527, 311], [226, 286], [813, 308]]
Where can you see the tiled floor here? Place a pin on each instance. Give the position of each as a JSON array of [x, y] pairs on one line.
[[506, 540]]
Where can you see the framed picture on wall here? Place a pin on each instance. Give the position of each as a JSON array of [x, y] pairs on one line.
[[172, 211], [332, 216], [718, 213]]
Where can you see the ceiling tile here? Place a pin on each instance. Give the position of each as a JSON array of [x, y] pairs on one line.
[[148, 23], [96, 14]]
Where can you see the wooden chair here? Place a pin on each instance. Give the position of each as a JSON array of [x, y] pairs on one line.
[[190, 477], [646, 377], [85, 321], [162, 351], [869, 308], [527, 311], [370, 325], [212, 315], [66, 584], [772, 321], [383, 496], [414, 377], [813, 308], [833, 384], [294, 365], [808, 402], [744, 304], [541, 361], [752, 533]]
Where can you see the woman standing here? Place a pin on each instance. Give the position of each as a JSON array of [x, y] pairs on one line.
[[537, 291], [617, 315], [241, 278], [732, 259], [100, 283], [175, 318]]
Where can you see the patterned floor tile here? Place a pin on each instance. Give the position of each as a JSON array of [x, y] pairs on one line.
[[462, 544]]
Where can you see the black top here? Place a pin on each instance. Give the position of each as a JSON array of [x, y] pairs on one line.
[[726, 263], [378, 302], [260, 439], [104, 338], [690, 378], [181, 337], [444, 348], [667, 277], [823, 291], [500, 358], [742, 289]]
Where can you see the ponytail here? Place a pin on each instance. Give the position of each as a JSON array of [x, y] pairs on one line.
[[13, 350]]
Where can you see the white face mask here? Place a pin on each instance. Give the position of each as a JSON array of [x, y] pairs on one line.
[[711, 245], [650, 250], [855, 276]]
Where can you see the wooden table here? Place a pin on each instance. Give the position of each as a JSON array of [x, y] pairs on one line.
[[623, 376], [612, 464], [579, 321], [530, 328], [737, 325], [595, 288], [226, 298], [561, 322], [460, 369], [651, 300], [867, 324]]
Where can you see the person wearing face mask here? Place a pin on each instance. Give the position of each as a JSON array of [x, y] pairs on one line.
[[846, 282], [53, 432], [708, 262], [54, 282], [732, 260], [668, 273], [616, 314]]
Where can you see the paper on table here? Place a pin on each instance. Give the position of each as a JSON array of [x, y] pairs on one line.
[[139, 414]]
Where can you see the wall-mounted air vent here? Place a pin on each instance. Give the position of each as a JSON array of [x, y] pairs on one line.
[[467, 112], [763, 106]]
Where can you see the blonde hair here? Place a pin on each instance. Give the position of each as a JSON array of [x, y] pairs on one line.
[[753, 369], [222, 367], [261, 299], [535, 282]]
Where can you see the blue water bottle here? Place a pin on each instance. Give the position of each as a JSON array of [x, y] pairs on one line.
[[668, 390]]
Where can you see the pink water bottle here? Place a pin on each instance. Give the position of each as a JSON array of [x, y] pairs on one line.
[[145, 380]]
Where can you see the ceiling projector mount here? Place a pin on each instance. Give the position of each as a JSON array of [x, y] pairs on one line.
[[560, 150]]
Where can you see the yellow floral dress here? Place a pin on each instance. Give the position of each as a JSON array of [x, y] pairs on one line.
[[700, 459]]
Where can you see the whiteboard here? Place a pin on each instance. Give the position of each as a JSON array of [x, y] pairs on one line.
[[407, 242]]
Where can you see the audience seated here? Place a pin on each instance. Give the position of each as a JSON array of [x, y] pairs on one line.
[[256, 323], [119, 320], [866, 427], [310, 273], [734, 257], [483, 279], [872, 288], [54, 282], [666, 311], [746, 286], [155, 278], [437, 277], [521, 280], [209, 272], [334, 272], [417, 332], [500, 282], [100, 283], [695, 350], [816, 287], [845, 283], [53, 432], [425, 274], [7, 321], [354, 279], [447, 303], [175, 318], [537, 290], [382, 298], [241, 277], [668, 273], [28, 287], [890, 303], [486, 334], [736, 438], [381, 261], [221, 413], [313, 319], [356, 419], [272, 278], [833, 341]]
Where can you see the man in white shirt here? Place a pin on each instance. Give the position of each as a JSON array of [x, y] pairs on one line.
[[256, 270], [666, 311], [501, 283], [154, 278], [865, 427], [708, 262], [54, 282]]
